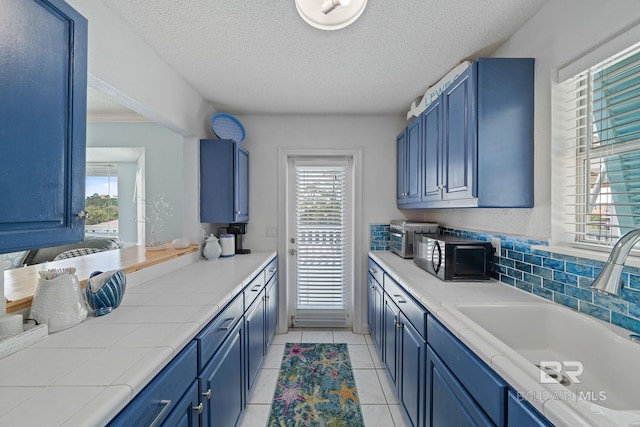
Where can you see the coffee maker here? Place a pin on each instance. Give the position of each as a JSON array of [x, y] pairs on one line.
[[239, 229]]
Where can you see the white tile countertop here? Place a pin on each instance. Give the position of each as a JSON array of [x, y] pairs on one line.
[[440, 297], [85, 375]]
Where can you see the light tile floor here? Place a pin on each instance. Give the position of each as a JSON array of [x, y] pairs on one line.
[[375, 389]]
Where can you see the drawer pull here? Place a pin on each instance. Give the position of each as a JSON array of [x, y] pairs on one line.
[[228, 322], [373, 271], [207, 394], [272, 269], [256, 288], [166, 404], [198, 408], [400, 299]]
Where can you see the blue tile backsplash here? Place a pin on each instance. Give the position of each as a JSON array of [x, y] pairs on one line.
[[378, 237], [559, 278], [562, 279]]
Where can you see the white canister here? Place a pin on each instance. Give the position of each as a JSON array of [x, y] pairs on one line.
[[228, 244]]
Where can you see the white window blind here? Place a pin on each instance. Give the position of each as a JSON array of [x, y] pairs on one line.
[[320, 237], [602, 123]]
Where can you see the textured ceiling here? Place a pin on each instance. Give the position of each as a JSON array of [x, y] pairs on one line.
[[261, 57]]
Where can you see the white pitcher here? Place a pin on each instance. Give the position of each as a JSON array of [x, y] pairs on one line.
[[212, 248]]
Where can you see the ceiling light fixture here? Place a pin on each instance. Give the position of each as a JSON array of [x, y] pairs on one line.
[[330, 5], [330, 14]]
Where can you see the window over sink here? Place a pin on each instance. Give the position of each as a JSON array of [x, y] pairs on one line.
[[598, 113]]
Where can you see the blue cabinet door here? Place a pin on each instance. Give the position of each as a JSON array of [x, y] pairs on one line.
[[221, 382], [413, 161], [187, 410], [43, 75], [521, 414], [271, 311], [411, 371], [224, 182], [401, 168], [459, 137], [255, 338], [432, 152], [241, 213], [375, 311], [390, 342], [448, 402], [409, 164]]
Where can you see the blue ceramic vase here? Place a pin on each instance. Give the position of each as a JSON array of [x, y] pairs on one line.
[[105, 290]]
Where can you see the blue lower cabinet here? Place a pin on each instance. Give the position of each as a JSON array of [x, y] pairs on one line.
[[391, 338], [187, 410], [375, 310], [255, 337], [271, 310], [481, 382], [448, 402], [221, 382], [411, 371], [521, 414], [162, 396]]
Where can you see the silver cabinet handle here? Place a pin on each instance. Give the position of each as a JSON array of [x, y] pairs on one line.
[[237, 212], [399, 325], [400, 299], [198, 408], [272, 269], [166, 404], [373, 271], [228, 325], [83, 215], [207, 394], [256, 287]]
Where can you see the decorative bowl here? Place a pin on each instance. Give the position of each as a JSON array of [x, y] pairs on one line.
[[105, 290]]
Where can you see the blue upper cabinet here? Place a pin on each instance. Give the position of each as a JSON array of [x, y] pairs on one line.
[[43, 87], [459, 138], [224, 181], [409, 146], [477, 139], [505, 132]]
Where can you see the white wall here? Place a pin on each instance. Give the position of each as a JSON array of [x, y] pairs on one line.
[[122, 65], [562, 31], [376, 134]]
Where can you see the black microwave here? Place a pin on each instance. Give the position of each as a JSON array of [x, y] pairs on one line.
[[453, 258]]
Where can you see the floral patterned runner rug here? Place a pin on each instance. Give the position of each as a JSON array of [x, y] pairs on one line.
[[316, 388]]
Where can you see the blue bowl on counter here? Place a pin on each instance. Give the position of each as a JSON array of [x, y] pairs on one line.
[[105, 290]]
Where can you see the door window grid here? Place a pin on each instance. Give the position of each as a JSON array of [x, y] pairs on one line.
[[320, 237]]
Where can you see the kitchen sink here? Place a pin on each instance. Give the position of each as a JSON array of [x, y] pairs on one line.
[[592, 359]]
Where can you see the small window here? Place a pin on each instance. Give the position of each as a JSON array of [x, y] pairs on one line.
[[101, 189], [601, 121]]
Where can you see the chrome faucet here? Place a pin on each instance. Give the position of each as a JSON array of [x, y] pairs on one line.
[[608, 281]]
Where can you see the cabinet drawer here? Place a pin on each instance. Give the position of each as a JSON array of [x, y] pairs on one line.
[[252, 291], [210, 338], [271, 269], [482, 383], [376, 271], [414, 312], [159, 398]]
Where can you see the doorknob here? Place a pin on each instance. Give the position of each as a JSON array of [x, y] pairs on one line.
[[292, 251]]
